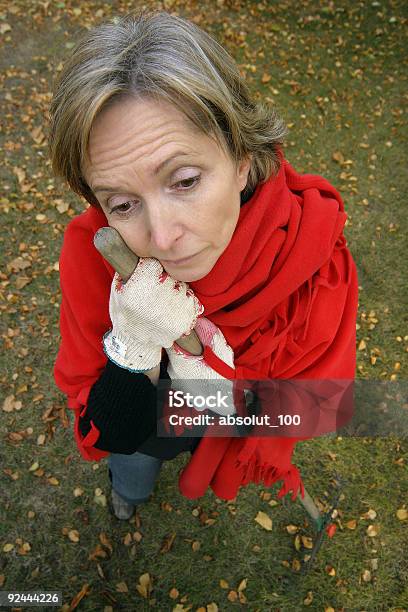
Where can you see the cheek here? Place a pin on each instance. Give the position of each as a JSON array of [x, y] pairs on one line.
[[132, 236]]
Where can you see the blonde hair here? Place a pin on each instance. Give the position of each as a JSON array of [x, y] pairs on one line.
[[153, 54]]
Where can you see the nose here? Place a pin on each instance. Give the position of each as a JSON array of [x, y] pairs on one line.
[[164, 229]]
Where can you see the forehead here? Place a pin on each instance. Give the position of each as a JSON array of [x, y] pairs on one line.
[[151, 125]]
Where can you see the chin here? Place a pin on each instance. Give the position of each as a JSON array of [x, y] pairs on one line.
[[189, 277]]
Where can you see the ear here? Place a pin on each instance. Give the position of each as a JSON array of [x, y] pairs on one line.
[[243, 169]]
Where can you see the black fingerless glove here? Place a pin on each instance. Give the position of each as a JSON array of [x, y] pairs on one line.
[[122, 406]]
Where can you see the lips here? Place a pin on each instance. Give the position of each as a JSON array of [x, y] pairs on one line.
[[179, 261]]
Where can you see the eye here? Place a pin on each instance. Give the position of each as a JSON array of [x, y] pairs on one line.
[[122, 208], [195, 180], [126, 207]]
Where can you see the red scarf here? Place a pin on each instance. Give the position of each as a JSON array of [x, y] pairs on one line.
[[284, 293]]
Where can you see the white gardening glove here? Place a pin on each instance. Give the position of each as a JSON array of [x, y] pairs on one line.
[[150, 311], [186, 370]]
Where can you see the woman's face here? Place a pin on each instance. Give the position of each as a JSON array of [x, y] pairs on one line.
[[182, 212]]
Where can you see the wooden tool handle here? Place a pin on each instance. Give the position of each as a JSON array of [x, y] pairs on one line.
[[114, 249]]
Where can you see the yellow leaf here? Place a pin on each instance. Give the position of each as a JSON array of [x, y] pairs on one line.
[[4, 28], [8, 547], [297, 542], [145, 579], [351, 524], [73, 535], [307, 542], [224, 584], [366, 575], [264, 520], [242, 585], [373, 530], [62, 207], [362, 345], [141, 590], [33, 467], [308, 599], [371, 514], [78, 492], [338, 157], [402, 514], [8, 404], [122, 587], [53, 481], [292, 529], [212, 607]]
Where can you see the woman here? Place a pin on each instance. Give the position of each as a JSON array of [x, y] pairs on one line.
[[153, 125]]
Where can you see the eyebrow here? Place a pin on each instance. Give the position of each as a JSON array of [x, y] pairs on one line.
[[155, 172]]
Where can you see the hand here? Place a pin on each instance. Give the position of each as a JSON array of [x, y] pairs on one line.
[[186, 370], [150, 311], [120, 413]]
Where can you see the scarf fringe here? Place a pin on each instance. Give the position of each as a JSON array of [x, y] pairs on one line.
[[269, 474]]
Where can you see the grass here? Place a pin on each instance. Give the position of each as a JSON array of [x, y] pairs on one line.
[[337, 76]]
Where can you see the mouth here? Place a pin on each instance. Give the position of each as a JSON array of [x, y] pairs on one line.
[[180, 262]]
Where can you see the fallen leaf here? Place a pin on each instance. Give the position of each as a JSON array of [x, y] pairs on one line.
[[307, 542], [17, 264], [371, 514], [402, 514], [264, 520], [4, 28], [145, 586], [122, 587], [74, 603], [73, 535], [22, 281], [8, 404], [373, 530], [105, 541], [97, 552], [297, 542], [168, 543], [308, 599]]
